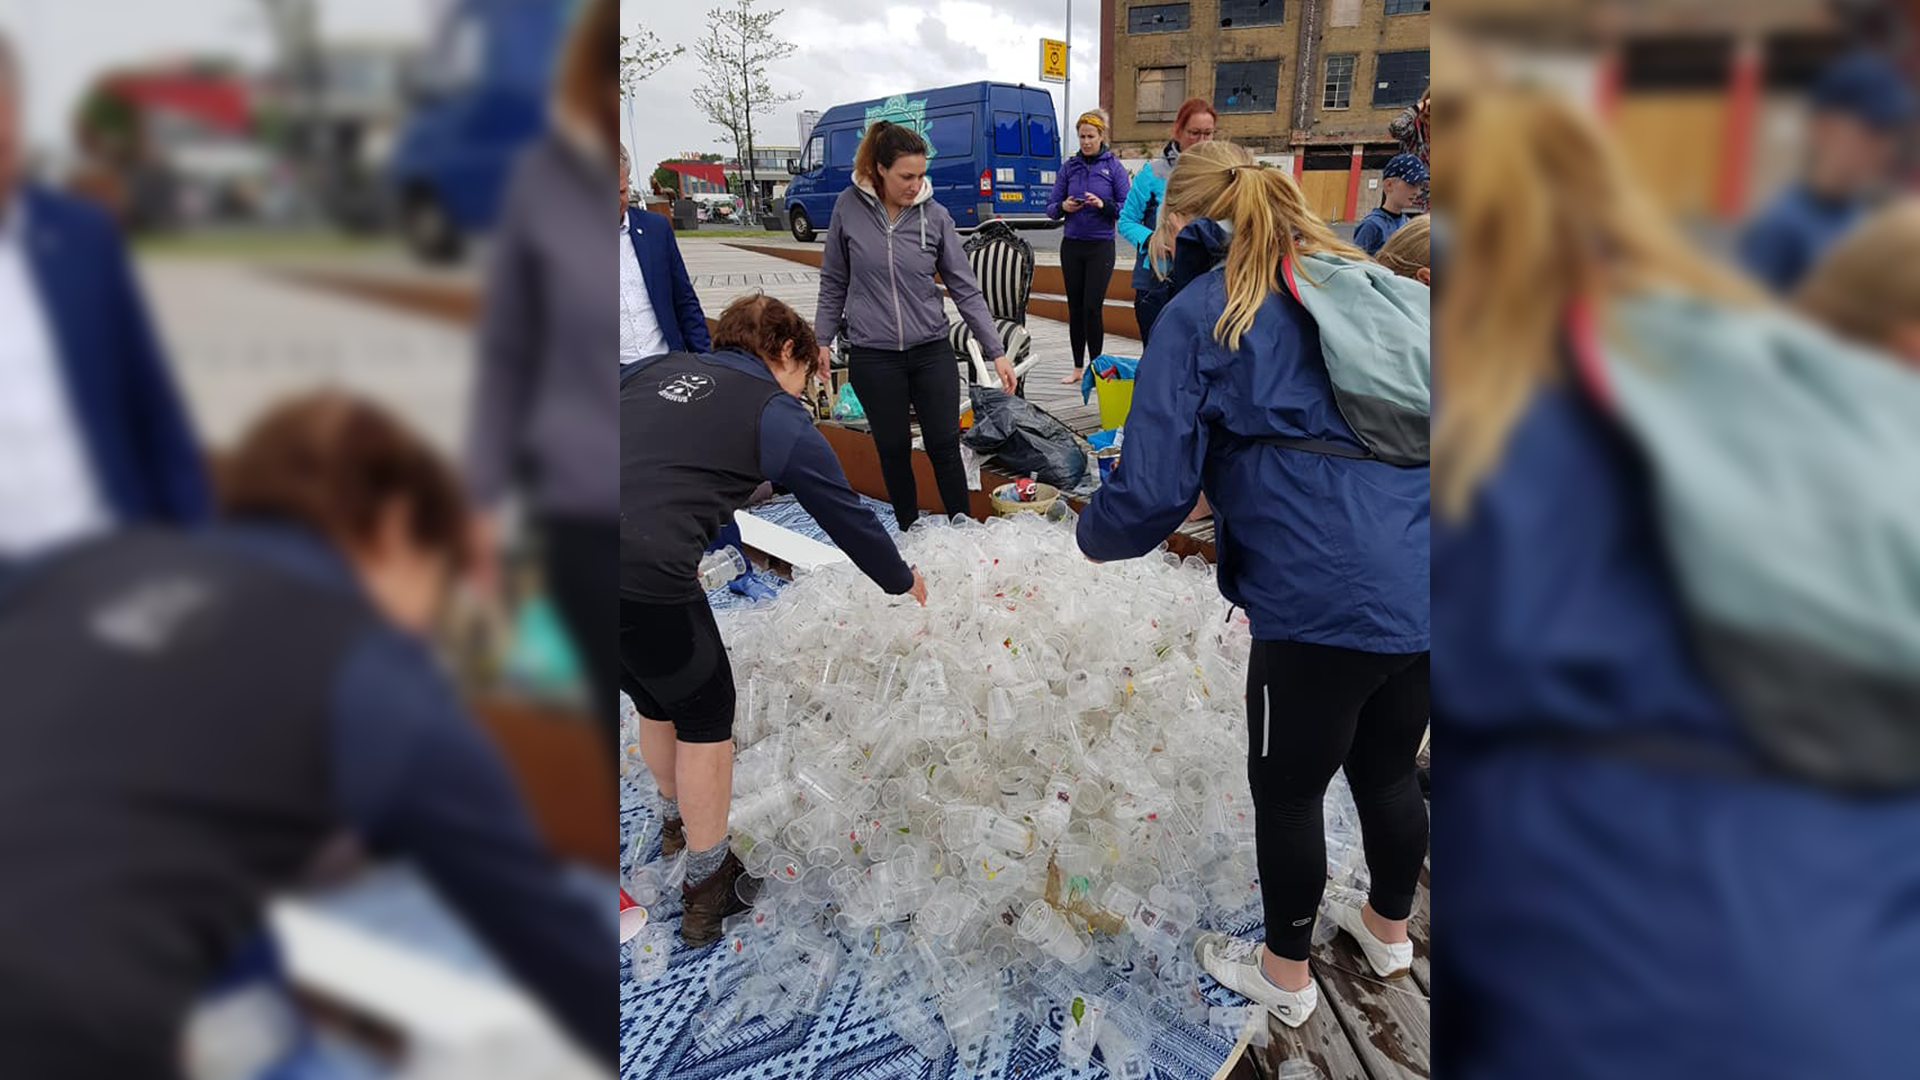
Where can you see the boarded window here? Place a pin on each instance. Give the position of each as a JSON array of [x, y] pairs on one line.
[[1156, 18], [1235, 13], [1247, 86], [1408, 7], [1344, 13], [1159, 92], [1337, 91], [1399, 78]]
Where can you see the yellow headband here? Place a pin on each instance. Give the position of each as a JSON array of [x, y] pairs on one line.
[[1091, 118]]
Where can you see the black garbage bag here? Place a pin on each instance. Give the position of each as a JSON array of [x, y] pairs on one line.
[[1025, 439]]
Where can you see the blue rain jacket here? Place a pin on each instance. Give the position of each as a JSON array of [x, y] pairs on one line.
[[1617, 915], [1319, 549]]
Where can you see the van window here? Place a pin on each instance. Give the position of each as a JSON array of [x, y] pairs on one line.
[[950, 136], [841, 145], [816, 154], [1040, 140], [1006, 132]]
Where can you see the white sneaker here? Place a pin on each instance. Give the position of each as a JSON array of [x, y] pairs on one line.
[[1235, 962], [1388, 960]]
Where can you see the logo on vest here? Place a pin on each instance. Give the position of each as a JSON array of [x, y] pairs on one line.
[[686, 387], [149, 618]]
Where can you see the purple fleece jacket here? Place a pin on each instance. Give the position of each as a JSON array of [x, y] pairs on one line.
[[1103, 176]]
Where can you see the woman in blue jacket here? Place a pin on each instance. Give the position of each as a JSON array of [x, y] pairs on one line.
[[1325, 548], [1192, 125], [1089, 191], [1634, 892]]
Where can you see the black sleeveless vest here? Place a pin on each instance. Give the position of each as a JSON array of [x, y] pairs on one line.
[[164, 766], [689, 457]]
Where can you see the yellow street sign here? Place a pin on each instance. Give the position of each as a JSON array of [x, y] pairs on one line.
[[1053, 60]]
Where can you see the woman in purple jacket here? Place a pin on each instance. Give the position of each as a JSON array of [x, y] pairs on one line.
[[1088, 192]]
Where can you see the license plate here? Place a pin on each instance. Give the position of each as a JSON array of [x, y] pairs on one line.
[[1011, 196]]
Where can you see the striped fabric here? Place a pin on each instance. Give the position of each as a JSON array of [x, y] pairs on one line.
[[1013, 338], [1003, 265]]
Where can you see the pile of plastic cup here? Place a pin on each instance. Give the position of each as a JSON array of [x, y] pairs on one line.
[[1028, 795]]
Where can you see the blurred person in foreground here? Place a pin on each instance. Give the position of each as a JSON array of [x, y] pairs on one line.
[[544, 414], [659, 311], [1867, 289], [1651, 872], [194, 716], [697, 435], [92, 430], [1323, 542], [1860, 106]]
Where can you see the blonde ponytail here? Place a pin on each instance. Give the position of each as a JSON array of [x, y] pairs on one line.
[[1269, 218]]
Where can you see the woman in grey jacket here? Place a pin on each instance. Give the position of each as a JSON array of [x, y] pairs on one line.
[[887, 240]]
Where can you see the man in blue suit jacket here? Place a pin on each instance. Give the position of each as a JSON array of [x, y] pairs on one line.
[[659, 312], [92, 431]]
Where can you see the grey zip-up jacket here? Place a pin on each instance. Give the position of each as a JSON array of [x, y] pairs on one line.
[[876, 276]]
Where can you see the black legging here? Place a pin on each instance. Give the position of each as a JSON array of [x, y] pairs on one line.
[[927, 377], [1310, 710], [1087, 266]]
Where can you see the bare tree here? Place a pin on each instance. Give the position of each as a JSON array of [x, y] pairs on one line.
[[734, 55], [642, 55]]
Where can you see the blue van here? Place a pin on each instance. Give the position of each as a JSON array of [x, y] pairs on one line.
[[478, 95], [992, 150]]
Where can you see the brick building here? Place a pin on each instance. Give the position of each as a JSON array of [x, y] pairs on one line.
[[1309, 84]]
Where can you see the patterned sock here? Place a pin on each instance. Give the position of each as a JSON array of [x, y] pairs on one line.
[[669, 808], [702, 864]]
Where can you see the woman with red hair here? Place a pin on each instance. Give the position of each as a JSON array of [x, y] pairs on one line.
[[1192, 124]]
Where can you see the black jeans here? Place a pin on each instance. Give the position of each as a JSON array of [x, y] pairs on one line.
[[927, 377], [1087, 266], [580, 559], [1310, 710]]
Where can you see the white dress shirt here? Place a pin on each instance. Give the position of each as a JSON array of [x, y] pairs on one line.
[[640, 335], [48, 493]]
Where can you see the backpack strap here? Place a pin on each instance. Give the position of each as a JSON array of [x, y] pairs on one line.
[[1286, 275], [1314, 446], [1583, 341]]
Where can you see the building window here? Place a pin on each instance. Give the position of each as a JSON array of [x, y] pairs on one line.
[[1408, 7], [1398, 78], [1337, 93], [1159, 92], [1235, 13], [1248, 86], [1156, 18]]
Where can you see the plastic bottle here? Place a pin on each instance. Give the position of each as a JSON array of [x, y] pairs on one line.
[[719, 567]]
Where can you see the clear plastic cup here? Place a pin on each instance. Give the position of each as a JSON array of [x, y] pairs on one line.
[[1048, 930]]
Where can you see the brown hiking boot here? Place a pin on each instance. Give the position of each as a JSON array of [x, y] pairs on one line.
[[673, 838], [705, 904]]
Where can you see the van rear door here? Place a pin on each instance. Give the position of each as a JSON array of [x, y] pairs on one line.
[[1043, 144]]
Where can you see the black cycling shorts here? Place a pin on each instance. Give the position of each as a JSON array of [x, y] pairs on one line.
[[674, 667]]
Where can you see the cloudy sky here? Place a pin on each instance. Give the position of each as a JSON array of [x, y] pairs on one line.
[[847, 50], [66, 43]]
